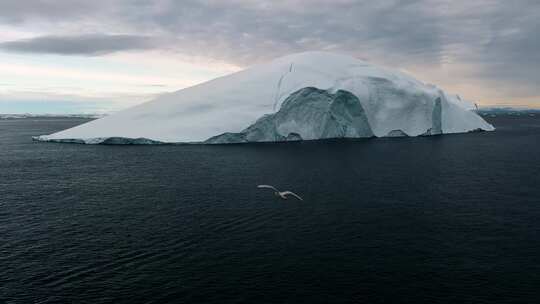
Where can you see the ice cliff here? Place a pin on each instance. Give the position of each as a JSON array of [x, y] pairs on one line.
[[304, 96]]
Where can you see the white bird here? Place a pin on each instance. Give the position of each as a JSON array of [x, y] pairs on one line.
[[281, 194]]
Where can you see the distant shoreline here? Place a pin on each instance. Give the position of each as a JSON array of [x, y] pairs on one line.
[[21, 116]]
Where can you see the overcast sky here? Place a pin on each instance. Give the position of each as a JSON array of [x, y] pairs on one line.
[[104, 55]]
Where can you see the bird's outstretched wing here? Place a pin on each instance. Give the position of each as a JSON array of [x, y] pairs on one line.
[[285, 193], [267, 186]]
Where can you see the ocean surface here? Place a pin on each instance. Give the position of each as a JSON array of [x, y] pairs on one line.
[[446, 219]]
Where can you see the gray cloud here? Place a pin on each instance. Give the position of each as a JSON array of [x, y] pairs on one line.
[[90, 45], [16, 11], [498, 38], [250, 32], [246, 32]]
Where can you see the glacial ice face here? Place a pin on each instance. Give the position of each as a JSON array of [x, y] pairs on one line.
[[261, 97], [436, 118], [307, 114]]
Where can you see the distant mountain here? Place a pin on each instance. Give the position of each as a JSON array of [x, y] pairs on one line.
[[304, 96]]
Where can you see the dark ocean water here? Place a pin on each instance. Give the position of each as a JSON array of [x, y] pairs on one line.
[[449, 219]]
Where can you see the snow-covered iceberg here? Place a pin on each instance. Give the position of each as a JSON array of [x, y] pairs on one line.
[[304, 96]]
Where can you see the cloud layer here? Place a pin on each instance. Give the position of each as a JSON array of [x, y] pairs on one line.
[[492, 43], [91, 45]]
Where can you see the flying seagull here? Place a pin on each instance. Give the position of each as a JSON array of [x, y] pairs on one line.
[[280, 194]]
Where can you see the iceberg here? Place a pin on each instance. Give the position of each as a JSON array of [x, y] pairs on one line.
[[305, 96]]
